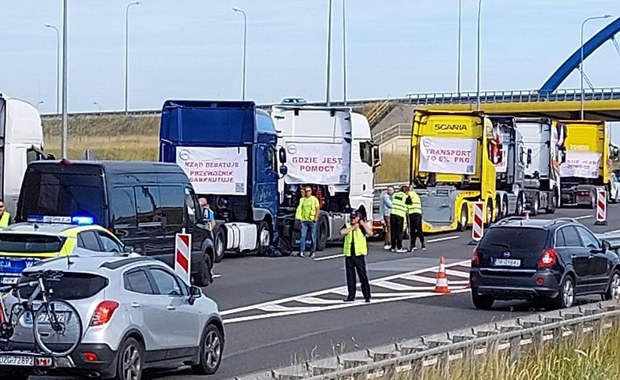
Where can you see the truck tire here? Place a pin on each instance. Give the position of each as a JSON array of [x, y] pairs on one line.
[[263, 238], [536, 205], [505, 211], [489, 217], [551, 203], [520, 203], [500, 208], [219, 245], [321, 232], [462, 225]]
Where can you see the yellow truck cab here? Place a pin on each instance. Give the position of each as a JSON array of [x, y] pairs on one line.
[[453, 158], [588, 164]]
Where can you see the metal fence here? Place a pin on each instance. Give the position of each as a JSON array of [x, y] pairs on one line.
[[408, 358], [397, 130]]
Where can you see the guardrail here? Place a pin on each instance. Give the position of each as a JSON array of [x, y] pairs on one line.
[[408, 358]]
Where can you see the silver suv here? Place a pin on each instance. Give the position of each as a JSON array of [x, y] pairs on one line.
[[136, 314]]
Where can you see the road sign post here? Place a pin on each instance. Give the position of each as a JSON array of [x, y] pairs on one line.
[[601, 207], [182, 256]]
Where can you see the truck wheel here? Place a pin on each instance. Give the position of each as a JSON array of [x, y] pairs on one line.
[[321, 238], [520, 203], [551, 203], [489, 216], [264, 238], [505, 209], [500, 208], [535, 205], [219, 244], [462, 226]]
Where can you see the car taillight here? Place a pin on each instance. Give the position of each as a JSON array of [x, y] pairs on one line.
[[103, 313], [548, 259], [475, 260]]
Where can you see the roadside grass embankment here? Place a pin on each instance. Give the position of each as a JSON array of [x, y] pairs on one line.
[[394, 168], [593, 356]]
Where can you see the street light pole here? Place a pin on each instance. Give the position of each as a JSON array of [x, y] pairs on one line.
[[583, 24], [127, 52], [478, 59], [65, 121], [57, 66], [245, 49], [458, 69], [329, 52], [344, 52]]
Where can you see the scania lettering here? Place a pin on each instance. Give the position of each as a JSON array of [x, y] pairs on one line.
[[452, 168], [451, 127], [331, 150]]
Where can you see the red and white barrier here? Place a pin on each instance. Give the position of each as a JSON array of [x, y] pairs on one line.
[[601, 207], [478, 227], [182, 256]]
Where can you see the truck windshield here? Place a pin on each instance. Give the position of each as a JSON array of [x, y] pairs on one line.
[[72, 191]]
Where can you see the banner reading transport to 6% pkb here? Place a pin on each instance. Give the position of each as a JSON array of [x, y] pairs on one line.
[[448, 155]]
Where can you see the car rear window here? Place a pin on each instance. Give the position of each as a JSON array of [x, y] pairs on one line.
[[71, 286], [26, 243], [514, 238], [63, 190]]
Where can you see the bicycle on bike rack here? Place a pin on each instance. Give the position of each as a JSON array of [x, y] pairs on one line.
[[56, 324]]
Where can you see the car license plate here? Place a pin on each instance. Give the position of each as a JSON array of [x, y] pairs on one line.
[[45, 318], [507, 263], [17, 360]]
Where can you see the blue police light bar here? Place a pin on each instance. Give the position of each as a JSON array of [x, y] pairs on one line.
[[79, 220]]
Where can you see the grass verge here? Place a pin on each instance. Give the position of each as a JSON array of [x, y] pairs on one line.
[[592, 357]]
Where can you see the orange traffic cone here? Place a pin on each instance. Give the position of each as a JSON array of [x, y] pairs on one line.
[[442, 279]]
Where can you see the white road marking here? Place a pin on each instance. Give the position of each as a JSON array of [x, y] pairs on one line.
[[582, 217], [327, 257], [612, 232], [315, 303], [457, 273], [443, 239]]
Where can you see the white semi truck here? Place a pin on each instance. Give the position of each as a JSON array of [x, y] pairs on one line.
[[543, 141], [331, 150], [21, 141]]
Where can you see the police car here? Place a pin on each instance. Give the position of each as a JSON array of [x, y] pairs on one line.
[[42, 237]]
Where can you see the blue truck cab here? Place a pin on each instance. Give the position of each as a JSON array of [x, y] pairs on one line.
[[228, 151]]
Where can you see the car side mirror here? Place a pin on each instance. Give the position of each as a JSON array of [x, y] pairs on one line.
[[194, 293], [128, 249]]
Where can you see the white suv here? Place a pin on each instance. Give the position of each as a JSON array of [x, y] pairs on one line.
[[136, 313]]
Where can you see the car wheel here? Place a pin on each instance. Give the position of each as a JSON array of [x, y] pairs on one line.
[[566, 295], [264, 237], [482, 302], [321, 238], [613, 290], [593, 201], [204, 276], [220, 246], [130, 360], [463, 219], [211, 349]]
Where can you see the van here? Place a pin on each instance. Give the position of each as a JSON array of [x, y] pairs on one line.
[[143, 203]]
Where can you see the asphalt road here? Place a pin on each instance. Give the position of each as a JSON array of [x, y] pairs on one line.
[[279, 311]]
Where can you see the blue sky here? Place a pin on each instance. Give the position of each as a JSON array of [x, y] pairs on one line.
[[193, 48]]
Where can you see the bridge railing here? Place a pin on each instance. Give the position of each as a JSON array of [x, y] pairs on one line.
[[517, 96], [397, 130]]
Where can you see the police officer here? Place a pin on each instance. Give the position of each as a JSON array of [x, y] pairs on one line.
[[5, 217], [414, 219], [355, 250], [397, 220]]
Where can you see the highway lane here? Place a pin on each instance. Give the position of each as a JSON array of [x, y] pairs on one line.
[[293, 287], [279, 311]]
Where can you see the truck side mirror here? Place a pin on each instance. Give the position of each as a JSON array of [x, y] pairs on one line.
[[376, 156], [529, 157], [282, 155]]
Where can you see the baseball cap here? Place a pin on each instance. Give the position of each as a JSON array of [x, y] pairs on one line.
[[353, 214]]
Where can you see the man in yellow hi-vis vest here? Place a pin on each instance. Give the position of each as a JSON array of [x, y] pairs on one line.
[[355, 250], [308, 214], [414, 220], [397, 219], [5, 217]]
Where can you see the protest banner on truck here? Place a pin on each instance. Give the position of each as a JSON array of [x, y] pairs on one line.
[[448, 155], [581, 164], [218, 171], [321, 164]]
